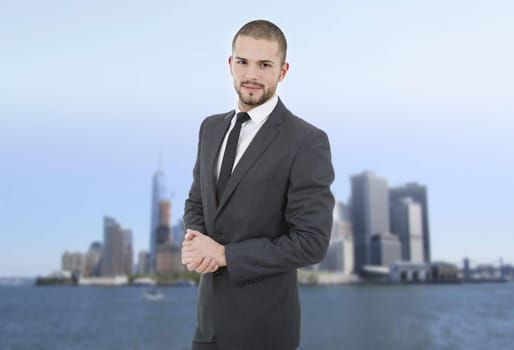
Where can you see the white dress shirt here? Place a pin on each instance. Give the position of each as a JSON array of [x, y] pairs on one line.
[[249, 129]]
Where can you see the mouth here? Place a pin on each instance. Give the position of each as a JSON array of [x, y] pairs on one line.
[[252, 87]]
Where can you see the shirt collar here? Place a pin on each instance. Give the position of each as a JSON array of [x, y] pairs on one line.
[[260, 113]]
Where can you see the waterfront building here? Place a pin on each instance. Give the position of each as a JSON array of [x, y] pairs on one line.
[[105, 281], [407, 224], [163, 230], [143, 262], [385, 249], [408, 272], [506, 271], [128, 253], [168, 259], [72, 262], [419, 194], [444, 272], [168, 254], [369, 213], [178, 231], [487, 271], [467, 270], [339, 256], [92, 260], [117, 250]]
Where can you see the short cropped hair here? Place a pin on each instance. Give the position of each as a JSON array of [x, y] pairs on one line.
[[262, 29]]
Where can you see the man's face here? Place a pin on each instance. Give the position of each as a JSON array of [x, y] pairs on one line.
[[256, 68]]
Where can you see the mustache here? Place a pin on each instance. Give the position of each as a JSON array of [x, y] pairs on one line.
[[247, 82]]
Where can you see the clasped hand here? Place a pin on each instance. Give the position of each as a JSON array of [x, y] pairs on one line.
[[201, 253]]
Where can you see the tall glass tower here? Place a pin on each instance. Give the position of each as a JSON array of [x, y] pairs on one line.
[[419, 194], [370, 213], [158, 194]]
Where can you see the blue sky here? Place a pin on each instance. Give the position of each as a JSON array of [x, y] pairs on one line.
[[93, 93]]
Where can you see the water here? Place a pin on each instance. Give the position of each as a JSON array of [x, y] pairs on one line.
[[343, 317]]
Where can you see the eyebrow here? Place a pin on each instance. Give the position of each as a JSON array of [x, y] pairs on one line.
[[261, 61]]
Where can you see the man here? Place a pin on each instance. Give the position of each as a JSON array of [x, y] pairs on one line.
[[259, 207]]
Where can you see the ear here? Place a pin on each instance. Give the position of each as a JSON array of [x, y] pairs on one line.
[[230, 59], [283, 71]]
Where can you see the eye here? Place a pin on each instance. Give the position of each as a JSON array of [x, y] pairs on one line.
[[265, 65], [240, 61]]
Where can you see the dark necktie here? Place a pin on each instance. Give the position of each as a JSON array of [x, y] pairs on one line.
[[230, 153]]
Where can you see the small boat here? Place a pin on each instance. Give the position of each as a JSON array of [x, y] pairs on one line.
[[153, 294]]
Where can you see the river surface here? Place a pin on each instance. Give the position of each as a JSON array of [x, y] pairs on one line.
[[415, 317]]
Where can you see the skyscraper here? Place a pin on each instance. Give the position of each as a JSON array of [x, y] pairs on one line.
[[339, 256], [158, 194], [178, 231], [419, 194], [163, 230], [93, 257], [407, 223], [72, 262], [384, 249], [369, 212], [167, 257], [117, 249], [143, 262], [128, 254]]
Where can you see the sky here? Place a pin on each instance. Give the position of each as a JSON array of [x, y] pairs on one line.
[[96, 95]]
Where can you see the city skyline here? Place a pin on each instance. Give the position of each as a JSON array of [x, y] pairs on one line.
[[92, 94], [410, 193], [373, 209]]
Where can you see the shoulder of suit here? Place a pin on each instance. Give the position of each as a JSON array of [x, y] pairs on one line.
[[294, 123], [214, 118], [303, 127], [220, 115]]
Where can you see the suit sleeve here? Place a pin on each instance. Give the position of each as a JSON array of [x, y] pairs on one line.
[[193, 211], [308, 214]]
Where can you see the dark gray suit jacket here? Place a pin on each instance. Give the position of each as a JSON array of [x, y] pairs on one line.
[[274, 217]]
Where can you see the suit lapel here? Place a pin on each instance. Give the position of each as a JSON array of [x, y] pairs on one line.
[[215, 138], [265, 136]]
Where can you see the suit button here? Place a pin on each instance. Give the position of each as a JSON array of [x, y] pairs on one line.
[[217, 273]]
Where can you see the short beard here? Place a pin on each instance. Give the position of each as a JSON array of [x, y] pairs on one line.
[[266, 95]]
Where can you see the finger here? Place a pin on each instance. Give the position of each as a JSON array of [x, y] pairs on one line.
[[192, 266], [187, 249], [187, 260], [193, 233], [188, 236], [212, 266], [202, 268], [190, 253], [188, 257]]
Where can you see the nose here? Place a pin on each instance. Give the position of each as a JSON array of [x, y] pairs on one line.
[[251, 72]]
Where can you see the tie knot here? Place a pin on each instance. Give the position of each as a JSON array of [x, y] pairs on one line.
[[242, 117]]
